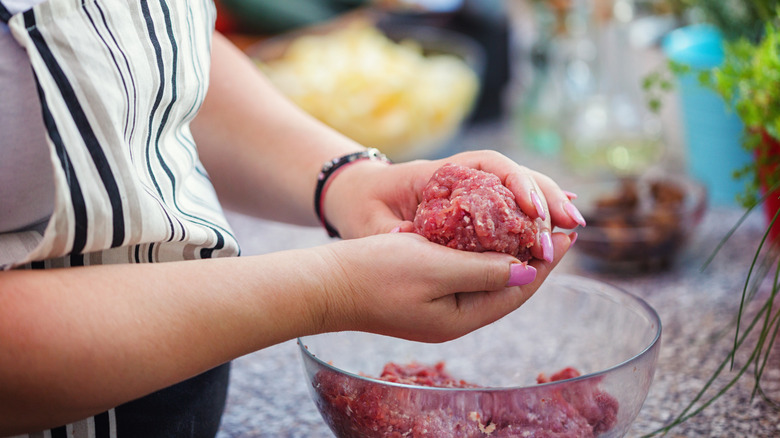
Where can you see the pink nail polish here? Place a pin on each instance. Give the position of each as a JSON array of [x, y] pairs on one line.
[[573, 213], [520, 274], [538, 205], [570, 195], [396, 229], [547, 246], [573, 238]]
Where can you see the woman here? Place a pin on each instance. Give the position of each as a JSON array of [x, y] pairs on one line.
[[121, 301]]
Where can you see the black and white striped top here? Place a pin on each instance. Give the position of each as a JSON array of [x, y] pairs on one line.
[[119, 81]]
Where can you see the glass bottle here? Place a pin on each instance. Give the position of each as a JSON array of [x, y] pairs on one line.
[[607, 126]]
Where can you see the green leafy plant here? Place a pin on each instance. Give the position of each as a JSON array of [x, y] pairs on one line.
[[658, 83], [735, 18], [749, 82], [764, 327]]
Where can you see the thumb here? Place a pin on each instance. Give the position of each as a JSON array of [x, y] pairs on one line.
[[497, 296]]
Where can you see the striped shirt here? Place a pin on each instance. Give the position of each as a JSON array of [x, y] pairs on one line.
[[118, 83]]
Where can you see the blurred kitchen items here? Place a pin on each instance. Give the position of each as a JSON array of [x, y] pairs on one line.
[[405, 89], [581, 98], [607, 125], [271, 16], [638, 224]]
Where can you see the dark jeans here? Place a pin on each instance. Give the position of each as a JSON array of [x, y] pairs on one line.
[[190, 409]]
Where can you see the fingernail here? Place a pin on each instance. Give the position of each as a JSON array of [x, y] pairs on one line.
[[396, 229], [538, 204], [573, 213], [520, 274], [570, 195], [547, 246], [573, 238]]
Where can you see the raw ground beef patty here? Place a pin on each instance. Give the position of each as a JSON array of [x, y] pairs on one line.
[[471, 210]]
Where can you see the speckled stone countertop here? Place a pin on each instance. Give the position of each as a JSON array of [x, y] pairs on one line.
[[269, 396]]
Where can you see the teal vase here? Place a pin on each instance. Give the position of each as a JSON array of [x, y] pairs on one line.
[[712, 132]]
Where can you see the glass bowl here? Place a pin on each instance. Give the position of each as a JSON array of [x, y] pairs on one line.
[[610, 336], [639, 223]]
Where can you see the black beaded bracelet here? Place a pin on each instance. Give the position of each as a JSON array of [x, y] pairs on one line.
[[328, 169]]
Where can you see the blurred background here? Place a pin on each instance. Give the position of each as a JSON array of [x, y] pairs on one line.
[[567, 75], [602, 95]]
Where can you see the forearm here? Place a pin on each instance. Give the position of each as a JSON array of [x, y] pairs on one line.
[[74, 342], [262, 152], [77, 341]]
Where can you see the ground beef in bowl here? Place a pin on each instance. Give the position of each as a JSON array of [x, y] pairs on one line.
[[355, 407]]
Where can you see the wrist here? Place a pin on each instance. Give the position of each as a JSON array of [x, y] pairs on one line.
[[330, 172], [333, 306]]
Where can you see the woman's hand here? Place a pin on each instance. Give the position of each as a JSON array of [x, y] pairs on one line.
[[370, 198], [399, 284]]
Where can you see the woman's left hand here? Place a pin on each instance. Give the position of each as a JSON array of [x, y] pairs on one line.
[[372, 198]]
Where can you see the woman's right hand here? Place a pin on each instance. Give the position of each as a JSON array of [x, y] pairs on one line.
[[138, 328], [402, 285]]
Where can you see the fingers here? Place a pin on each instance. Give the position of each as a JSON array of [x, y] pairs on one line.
[[475, 272], [574, 213], [532, 201], [562, 242], [563, 211], [520, 274], [552, 206], [490, 271], [477, 309], [423, 291], [536, 194], [557, 202]]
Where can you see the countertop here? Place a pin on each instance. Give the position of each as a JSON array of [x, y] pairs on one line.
[[269, 397]]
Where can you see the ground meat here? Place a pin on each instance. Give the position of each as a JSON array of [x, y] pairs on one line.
[[472, 210], [596, 406], [359, 408], [422, 375], [566, 373]]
